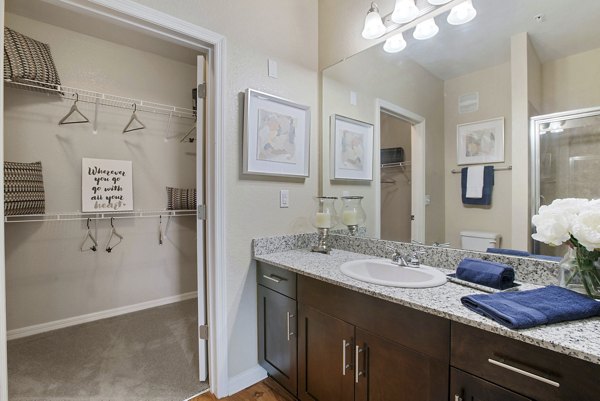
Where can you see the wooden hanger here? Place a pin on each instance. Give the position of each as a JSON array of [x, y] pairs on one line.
[[74, 109], [133, 118]]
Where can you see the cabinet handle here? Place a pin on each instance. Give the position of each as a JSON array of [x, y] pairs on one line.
[[523, 372], [345, 344], [358, 372], [274, 278], [287, 321]]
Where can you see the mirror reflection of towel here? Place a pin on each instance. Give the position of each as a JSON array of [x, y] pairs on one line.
[[488, 186]]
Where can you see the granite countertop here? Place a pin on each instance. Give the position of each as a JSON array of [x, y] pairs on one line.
[[580, 339]]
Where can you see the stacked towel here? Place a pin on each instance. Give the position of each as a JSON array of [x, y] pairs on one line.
[[488, 185], [491, 274], [510, 252], [524, 309]]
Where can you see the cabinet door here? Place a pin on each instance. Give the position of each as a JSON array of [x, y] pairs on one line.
[[277, 344], [388, 371], [325, 362], [466, 387]]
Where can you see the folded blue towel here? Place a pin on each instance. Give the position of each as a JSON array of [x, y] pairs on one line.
[[491, 274], [506, 251], [488, 185], [546, 257], [524, 309]]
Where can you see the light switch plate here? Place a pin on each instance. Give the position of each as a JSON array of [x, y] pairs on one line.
[[353, 98], [284, 198], [273, 69]]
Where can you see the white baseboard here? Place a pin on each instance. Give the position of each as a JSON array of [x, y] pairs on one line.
[[90, 317], [246, 379]]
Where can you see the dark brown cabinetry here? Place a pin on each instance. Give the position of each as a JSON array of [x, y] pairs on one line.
[[340, 359], [277, 311], [466, 387]]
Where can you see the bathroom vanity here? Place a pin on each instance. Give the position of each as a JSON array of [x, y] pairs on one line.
[[325, 336]]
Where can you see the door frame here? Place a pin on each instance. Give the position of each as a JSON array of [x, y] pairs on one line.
[[417, 166], [158, 24]]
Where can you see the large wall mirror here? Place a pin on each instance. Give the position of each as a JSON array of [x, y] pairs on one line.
[[444, 90]]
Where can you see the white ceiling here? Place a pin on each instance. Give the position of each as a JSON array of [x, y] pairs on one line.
[[47, 13], [569, 27]]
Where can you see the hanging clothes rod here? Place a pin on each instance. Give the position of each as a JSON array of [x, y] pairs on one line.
[[105, 99], [507, 168], [29, 218]]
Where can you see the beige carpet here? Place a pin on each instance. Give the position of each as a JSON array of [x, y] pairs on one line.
[[149, 355]]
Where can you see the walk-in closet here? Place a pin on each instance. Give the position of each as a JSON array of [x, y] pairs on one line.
[[103, 174]]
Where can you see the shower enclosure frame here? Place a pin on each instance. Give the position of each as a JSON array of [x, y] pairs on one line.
[[535, 165]]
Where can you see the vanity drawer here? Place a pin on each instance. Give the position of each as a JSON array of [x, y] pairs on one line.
[[532, 371], [278, 279]]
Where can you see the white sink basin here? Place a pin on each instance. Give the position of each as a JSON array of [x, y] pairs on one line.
[[384, 272]]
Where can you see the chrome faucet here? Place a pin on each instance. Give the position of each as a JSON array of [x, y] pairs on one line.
[[412, 260]]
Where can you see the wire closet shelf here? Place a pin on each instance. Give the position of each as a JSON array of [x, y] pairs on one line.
[[75, 216], [104, 99]]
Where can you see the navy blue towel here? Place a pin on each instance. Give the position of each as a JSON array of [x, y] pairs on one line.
[[488, 185], [546, 257], [524, 309], [491, 274], [510, 252]]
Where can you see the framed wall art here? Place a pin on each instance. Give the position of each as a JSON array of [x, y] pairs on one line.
[[480, 142], [351, 149], [276, 136]]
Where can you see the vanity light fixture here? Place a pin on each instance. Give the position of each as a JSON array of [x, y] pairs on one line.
[[462, 13], [404, 11], [395, 44], [409, 14], [374, 27], [426, 30]]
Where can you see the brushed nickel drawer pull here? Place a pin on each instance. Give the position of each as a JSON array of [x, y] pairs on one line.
[[274, 278], [523, 372], [357, 373], [288, 317], [345, 366]]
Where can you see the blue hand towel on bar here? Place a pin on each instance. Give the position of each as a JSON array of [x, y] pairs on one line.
[[509, 252], [491, 274], [524, 309], [488, 185]]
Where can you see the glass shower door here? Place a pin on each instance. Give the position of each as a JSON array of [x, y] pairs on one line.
[[566, 160]]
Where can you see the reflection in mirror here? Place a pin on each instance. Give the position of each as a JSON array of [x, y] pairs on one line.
[[514, 61]]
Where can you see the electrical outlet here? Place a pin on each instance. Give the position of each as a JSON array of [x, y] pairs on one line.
[[284, 198]]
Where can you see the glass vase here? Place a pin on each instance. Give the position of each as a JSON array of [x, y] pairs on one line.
[[323, 218], [353, 214], [579, 271]]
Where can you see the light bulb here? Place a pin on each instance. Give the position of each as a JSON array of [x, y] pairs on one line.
[[395, 44], [438, 2], [426, 30], [374, 27], [404, 11], [462, 13]]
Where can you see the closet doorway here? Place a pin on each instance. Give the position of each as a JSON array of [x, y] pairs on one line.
[[147, 276], [400, 180]]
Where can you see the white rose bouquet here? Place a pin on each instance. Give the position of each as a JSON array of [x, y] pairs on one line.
[[575, 222]]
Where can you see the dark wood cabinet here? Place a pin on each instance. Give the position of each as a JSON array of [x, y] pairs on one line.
[[466, 387], [277, 332], [325, 367], [340, 359]]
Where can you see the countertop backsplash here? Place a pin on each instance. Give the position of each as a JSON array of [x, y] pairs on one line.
[[526, 269]]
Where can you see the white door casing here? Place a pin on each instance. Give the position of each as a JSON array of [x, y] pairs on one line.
[[158, 24]]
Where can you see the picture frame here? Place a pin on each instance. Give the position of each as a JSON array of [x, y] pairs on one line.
[[480, 142], [106, 185], [351, 149], [276, 136]]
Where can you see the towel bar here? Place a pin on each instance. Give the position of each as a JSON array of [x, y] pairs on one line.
[[455, 171]]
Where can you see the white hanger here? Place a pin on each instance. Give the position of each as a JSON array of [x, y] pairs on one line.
[[89, 236], [74, 109], [160, 232], [113, 233], [189, 133], [131, 120]]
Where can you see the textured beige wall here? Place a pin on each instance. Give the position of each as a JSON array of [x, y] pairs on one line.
[[406, 85], [48, 278], [572, 82], [285, 30], [493, 85], [396, 197]]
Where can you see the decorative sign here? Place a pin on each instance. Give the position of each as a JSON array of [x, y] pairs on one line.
[[106, 185]]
